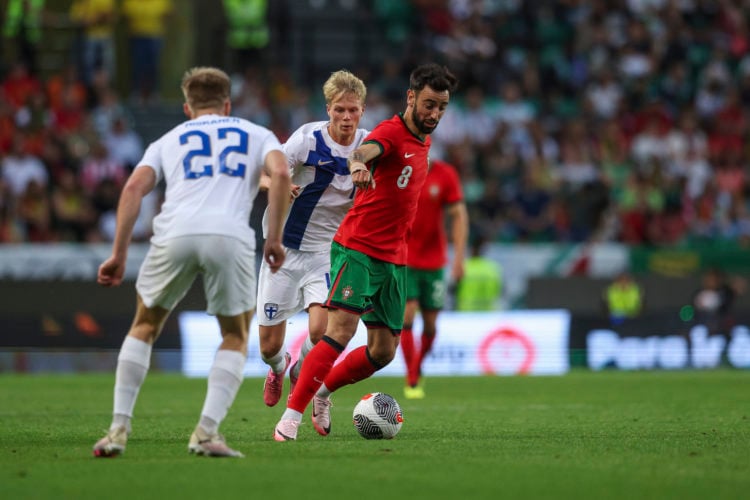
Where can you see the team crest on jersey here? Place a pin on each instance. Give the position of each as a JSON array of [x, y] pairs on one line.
[[347, 292], [270, 309], [434, 190]]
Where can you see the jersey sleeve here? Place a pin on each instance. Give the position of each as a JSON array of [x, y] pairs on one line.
[[296, 148], [152, 159], [384, 135], [270, 143], [453, 190]]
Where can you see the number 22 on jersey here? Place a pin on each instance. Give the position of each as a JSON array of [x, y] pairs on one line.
[[230, 140]]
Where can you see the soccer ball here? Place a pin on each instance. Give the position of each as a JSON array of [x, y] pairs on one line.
[[377, 416]]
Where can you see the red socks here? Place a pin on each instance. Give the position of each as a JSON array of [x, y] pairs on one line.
[[414, 365], [354, 367], [427, 341], [317, 365], [407, 347]]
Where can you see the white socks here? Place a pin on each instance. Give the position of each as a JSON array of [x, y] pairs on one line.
[[277, 362], [132, 365], [303, 351], [323, 392], [291, 414], [133, 362], [224, 381]]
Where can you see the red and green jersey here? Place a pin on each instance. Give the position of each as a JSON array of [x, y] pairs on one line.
[[427, 241], [381, 218]]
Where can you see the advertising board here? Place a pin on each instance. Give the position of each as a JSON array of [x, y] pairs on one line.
[[495, 343]]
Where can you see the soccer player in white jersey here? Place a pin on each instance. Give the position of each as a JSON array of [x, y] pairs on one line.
[[211, 165], [323, 192]]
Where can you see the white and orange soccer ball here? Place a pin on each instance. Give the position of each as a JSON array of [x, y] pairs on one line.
[[378, 416]]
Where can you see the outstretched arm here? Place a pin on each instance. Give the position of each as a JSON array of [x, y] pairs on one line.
[[140, 183]]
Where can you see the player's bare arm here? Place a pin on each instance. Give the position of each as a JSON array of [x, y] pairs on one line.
[[278, 203], [265, 184], [459, 217], [357, 162], [140, 183]]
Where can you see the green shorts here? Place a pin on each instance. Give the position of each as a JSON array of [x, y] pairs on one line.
[[427, 287], [372, 288]]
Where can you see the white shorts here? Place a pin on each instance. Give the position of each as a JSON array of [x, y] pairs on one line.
[[304, 279], [227, 265]]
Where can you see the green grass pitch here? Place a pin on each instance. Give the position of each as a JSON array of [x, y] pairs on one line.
[[636, 435]]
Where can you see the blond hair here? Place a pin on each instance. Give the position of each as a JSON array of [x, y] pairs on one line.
[[342, 82], [205, 88]]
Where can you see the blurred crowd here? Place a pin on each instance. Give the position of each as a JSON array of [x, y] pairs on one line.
[[599, 120], [576, 121], [67, 140], [65, 152]]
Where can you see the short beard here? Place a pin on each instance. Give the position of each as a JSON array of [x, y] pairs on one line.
[[420, 123]]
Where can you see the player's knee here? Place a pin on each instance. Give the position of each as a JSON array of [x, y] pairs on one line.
[[316, 334], [381, 355], [145, 332], [270, 347], [234, 341]]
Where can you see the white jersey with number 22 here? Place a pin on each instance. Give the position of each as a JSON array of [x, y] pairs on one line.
[[212, 166]]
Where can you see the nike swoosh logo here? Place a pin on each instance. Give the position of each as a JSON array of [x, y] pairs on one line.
[[317, 381], [409, 155], [321, 162]]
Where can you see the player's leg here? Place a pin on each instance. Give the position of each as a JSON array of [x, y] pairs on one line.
[[383, 326], [429, 329], [316, 284], [346, 302], [363, 361], [383, 323], [429, 332], [431, 302], [412, 305], [279, 298], [273, 354], [229, 284], [359, 364], [133, 363], [317, 322], [165, 276], [341, 328], [224, 380]]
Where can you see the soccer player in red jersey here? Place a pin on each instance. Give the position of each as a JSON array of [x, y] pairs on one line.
[[368, 255], [428, 251]]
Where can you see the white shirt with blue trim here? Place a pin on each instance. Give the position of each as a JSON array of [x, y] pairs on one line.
[[318, 164]]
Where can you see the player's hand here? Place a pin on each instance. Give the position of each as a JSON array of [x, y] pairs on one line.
[[457, 271], [296, 191], [362, 178], [111, 272], [274, 255]]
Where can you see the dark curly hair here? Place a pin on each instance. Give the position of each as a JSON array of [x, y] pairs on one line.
[[435, 76]]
